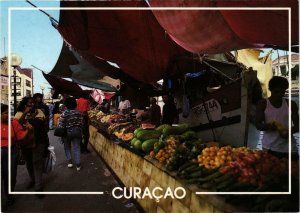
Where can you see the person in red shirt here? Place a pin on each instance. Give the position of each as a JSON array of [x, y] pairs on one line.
[[83, 106], [18, 132]]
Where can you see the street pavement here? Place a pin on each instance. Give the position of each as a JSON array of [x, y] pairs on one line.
[[94, 177]]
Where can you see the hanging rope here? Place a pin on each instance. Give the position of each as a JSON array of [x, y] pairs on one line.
[[47, 14], [218, 71], [38, 69]]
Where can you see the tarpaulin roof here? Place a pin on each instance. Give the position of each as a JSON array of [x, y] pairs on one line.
[[214, 31], [142, 43], [133, 39], [71, 65], [65, 87]]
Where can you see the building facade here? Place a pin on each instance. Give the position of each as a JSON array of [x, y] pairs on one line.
[[280, 65], [24, 85], [4, 81], [24, 80]]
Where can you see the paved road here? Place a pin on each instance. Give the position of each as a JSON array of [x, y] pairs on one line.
[[94, 177]]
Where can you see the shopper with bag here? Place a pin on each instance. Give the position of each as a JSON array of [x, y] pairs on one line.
[[83, 106], [36, 152], [18, 133], [72, 120]]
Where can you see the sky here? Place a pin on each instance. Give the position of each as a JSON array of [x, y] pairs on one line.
[[32, 37]]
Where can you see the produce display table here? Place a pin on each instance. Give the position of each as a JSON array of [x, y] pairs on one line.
[[137, 171]]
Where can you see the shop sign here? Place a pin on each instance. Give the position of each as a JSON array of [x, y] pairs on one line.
[[210, 105]]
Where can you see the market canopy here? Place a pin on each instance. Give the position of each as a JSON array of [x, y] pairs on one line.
[[144, 43], [71, 65], [215, 31], [63, 86], [133, 40]]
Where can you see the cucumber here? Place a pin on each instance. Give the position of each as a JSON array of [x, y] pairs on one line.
[[192, 180], [190, 168], [187, 164], [196, 174], [161, 127], [133, 141], [137, 130], [222, 178], [207, 185], [210, 177], [188, 135], [187, 173], [225, 184], [144, 135], [175, 130]]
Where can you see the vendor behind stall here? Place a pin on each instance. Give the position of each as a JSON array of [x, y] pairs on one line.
[[105, 106], [154, 113], [124, 106], [272, 117], [170, 114]]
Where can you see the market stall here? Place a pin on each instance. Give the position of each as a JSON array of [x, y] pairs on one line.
[[207, 151], [174, 156]]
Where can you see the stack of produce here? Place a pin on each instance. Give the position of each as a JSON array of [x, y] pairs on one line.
[[147, 140], [144, 139], [177, 145], [113, 118], [214, 157], [167, 151], [124, 135], [257, 168], [236, 169]]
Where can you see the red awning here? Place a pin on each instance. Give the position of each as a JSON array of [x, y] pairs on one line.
[[215, 31], [132, 39], [138, 40]]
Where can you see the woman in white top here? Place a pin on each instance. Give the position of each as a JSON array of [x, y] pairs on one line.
[[272, 117]]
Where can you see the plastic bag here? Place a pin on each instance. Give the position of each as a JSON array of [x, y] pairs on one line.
[[50, 160]]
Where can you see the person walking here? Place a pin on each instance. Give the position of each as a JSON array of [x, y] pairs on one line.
[[56, 114], [272, 117], [83, 106], [36, 154], [51, 108], [72, 120], [39, 104], [17, 133]]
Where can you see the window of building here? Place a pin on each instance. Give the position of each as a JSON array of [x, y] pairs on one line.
[[28, 83], [17, 93], [28, 92], [283, 70]]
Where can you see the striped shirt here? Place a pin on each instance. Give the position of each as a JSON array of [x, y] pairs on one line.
[[71, 118]]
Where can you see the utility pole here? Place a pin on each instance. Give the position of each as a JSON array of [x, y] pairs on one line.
[[15, 61], [15, 89]]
